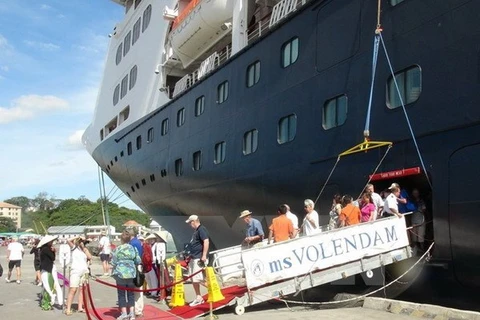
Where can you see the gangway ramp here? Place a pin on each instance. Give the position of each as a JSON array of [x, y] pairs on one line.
[[273, 271]]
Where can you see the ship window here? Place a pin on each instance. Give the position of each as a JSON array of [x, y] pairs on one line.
[[136, 31], [150, 135], [180, 117], [334, 112], [133, 77], [152, 177], [220, 149], [144, 182], [129, 148], [101, 134], [133, 189], [137, 2], [197, 160], [121, 153], [124, 115], [222, 92], [147, 14], [395, 2], [128, 194], [287, 129], [164, 127], [116, 95], [163, 173], [289, 52], [126, 43], [116, 159], [250, 141], [118, 58], [136, 185], [410, 85], [253, 74], [179, 167], [139, 142], [124, 87], [199, 106]]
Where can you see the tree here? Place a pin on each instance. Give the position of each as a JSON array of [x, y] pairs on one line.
[[23, 202], [7, 225]]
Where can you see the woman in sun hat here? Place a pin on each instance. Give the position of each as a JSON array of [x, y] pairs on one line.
[[78, 271], [49, 273]]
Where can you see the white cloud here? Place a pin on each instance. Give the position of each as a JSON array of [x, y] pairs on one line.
[[74, 141], [29, 106], [4, 68], [45, 7], [45, 46]]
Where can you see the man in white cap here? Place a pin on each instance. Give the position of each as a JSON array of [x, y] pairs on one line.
[[391, 204], [254, 233], [198, 250]]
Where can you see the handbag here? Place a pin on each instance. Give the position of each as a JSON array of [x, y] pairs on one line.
[[139, 275], [1, 270]]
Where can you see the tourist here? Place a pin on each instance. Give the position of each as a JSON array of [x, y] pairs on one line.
[[105, 251], [281, 228], [198, 250], [311, 221], [418, 221], [149, 264], [293, 217], [49, 275], [377, 200], [367, 208], [335, 211], [137, 244], [15, 254], [78, 271], [159, 250], [350, 214], [391, 205], [125, 259], [36, 262], [254, 233]]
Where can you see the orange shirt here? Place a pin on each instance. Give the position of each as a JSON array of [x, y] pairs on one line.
[[350, 214], [282, 228]]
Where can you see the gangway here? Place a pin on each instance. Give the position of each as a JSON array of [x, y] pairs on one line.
[[267, 272]]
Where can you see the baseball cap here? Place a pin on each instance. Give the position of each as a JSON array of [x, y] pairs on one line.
[[193, 217], [394, 185]]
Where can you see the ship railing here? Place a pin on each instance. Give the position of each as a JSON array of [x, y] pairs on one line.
[[182, 84], [281, 10], [208, 65]]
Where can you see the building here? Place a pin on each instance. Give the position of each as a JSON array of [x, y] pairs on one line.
[[91, 232], [11, 211]]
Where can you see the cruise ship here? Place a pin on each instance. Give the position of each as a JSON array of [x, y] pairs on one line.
[[211, 107]]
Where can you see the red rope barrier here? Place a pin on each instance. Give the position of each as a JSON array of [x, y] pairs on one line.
[[147, 290], [91, 302], [85, 303]]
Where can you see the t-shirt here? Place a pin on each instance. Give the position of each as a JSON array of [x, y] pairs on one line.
[[377, 201], [390, 203], [293, 217], [138, 245], [105, 245], [16, 251], [367, 210], [254, 228], [159, 250], [282, 227], [350, 214], [196, 243], [79, 261], [308, 227]]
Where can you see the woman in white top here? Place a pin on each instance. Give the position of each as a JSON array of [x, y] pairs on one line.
[[78, 271], [310, 222]]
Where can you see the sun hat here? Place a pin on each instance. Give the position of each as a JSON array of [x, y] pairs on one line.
[[193, 217], [46, 239], [244, 213]]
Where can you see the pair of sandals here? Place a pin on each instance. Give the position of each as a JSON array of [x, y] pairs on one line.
[[69, 313]]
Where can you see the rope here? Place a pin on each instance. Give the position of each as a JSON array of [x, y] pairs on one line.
[[328, 178], [375, 171], [95, 312], [405, 110], [379, 10], [85, 302], [364, 295], [147, 290], [376, 43]]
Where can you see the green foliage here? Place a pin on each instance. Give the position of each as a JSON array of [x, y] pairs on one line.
[[72, 212], [23, 202], [7, 225]]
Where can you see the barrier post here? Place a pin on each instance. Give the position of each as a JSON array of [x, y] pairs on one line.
[[178, 292]]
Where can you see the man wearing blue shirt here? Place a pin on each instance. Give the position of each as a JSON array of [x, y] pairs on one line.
[[254, 233]]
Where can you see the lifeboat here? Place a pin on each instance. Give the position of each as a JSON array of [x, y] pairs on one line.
[[199, 26]]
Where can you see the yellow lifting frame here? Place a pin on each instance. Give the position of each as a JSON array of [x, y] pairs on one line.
[[365, 146]]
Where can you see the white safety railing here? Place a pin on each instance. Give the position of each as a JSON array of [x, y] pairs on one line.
[[182, 84], [281, 10], [208, 65]]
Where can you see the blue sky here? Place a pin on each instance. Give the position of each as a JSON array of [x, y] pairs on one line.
[[52, 54]]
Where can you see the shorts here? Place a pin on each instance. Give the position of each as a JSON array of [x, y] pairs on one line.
[[36, 265], [194, 267], [104, 257], [77, 279], [14, 263]]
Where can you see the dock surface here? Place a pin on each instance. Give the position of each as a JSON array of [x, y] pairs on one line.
[[21, 301]]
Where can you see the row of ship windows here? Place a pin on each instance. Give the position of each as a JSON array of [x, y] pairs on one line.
[[133, 35], [122, 88]]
